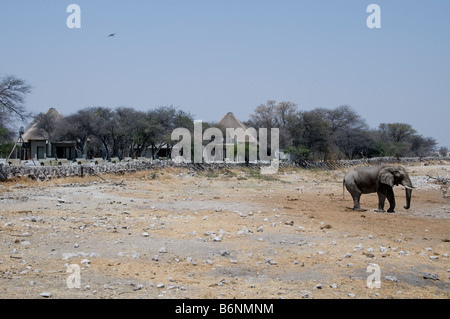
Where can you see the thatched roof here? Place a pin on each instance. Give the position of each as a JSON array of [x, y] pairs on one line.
[[33, 133], [231, 121]]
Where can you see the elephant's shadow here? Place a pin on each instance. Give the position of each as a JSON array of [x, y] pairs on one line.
[[356, 210]]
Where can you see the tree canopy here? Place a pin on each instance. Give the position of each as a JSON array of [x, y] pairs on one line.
[[318, 134], [340, 133]]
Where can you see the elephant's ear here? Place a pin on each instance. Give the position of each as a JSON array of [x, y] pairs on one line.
[[386, 177]]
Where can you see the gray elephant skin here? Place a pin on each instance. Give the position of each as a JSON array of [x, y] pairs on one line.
[[378, 179]]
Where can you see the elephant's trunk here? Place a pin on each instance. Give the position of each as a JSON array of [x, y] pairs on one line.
[[408, 187]]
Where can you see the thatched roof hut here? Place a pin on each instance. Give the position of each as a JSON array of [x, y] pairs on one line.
[[41, 145], [35, 133], [232, 122]]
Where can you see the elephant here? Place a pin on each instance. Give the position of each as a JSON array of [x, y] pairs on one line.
[[379, 179]]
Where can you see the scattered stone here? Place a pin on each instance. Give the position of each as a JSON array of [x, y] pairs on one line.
[[137, 287], [434, 257], [270, 261], [45, 294], [224, 253], [431, 276], [86, 261], [305, 294], [67, 256], [391, 278], [370, 255], [163, 250]]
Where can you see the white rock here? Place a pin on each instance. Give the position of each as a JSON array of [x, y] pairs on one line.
[[434, 257], [66, 256], [216, 238], [391, 278]]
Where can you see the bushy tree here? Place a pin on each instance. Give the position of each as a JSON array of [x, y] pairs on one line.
[[168, 118], [12, 98], [400, 139], [324, 134], [12, 109], [122, 132], [272, 115]]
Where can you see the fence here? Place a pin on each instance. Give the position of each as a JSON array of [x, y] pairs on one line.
[[8, 171]]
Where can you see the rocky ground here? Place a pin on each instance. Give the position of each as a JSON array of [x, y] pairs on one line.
[[176, 233]]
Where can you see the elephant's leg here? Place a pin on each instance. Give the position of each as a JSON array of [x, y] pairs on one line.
[[381, 200], [391, 198], [356, 195], [356, 205], [356, 198]]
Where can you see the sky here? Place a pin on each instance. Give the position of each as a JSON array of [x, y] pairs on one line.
[[210, 57]]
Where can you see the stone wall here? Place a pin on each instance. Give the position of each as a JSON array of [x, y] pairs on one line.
[[8, 171]]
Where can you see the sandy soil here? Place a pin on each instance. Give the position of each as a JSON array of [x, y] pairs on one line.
[[176, 233]]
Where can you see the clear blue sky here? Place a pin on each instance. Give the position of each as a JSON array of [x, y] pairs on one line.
[[210, 57]]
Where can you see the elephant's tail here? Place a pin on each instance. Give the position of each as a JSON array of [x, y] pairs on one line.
[[343, 189]]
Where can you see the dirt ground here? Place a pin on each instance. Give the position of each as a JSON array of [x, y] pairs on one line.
[[176, 233]]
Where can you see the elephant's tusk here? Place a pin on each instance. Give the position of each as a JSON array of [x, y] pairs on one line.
[[408, 187]]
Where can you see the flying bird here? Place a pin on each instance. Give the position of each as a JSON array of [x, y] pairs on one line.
[[111, 35]]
